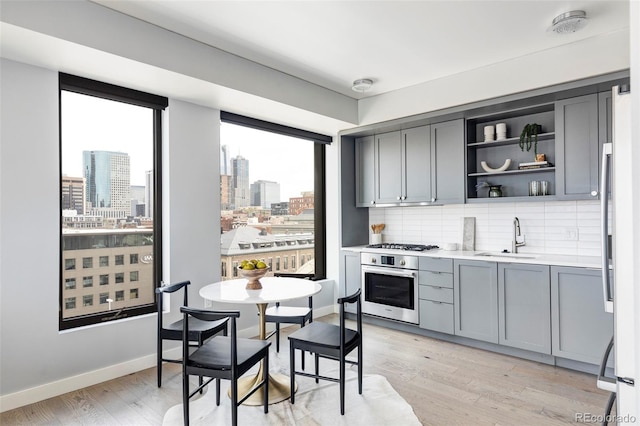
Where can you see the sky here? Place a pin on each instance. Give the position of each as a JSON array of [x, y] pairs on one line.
[[88, 124], [273, 157]]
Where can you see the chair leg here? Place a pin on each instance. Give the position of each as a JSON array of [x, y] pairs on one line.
[[360, 369], [234, 401], [185, 398], [265, 386], [317, 367], [278, 337], [218, 392], [159, 362], [342, 383], [302, 352], [292, 371]]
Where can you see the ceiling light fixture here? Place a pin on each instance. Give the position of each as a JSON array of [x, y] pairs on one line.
[[362, 85], [569, 22]]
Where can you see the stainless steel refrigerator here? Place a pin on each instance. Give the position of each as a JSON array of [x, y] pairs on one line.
[[619, 266]]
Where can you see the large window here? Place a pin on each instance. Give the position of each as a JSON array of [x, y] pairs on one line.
[[110, 139], [272, 196]]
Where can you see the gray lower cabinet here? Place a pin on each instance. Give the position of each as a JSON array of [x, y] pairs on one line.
[[349, 276], [435, 294], [365, 172], [447, 167], [581, 329], [524, 307], [577, 152], [475, 299]]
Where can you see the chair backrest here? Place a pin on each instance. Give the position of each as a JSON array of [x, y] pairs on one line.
[[170, 288], [294, 275], [206, 315], [353, 298]]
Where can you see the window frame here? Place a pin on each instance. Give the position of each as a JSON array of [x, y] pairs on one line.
[[319, 178], [85, 86]]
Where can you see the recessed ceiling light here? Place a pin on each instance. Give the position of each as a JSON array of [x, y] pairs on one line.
[[569, 22], [362, 85]]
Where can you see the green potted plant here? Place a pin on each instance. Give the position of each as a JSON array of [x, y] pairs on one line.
[[529, 137]]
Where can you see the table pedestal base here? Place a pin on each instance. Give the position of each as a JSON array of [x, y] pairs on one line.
[[279, 389]]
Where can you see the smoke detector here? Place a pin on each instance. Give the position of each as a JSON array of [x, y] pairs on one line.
[[569, 22], [362, 85]]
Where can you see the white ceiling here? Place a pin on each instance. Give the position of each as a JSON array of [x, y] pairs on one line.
[[397, 44]]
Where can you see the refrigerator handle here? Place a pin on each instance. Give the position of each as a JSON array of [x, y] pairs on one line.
[[604, 226]]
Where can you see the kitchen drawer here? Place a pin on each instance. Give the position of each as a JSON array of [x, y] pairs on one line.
[[436, 279], [436, 316], [436, 264], [437, 294]]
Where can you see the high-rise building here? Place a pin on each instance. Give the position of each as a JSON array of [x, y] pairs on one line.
[[148, 193], [264, 193], [107, 176], [137, 200], [225, 192], [224, 160], [240, 182], [73, 194]]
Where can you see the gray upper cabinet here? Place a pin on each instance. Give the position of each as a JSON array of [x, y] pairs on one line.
[[475, 296], [577, 148], [524, 307], [365, 171], [581, 327], [447, 167], [402, 166], [416, 164], [388, 167]]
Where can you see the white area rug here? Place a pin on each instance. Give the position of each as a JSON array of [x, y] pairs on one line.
[[316, 404]]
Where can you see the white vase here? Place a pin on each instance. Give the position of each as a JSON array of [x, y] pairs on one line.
[[375, 239]]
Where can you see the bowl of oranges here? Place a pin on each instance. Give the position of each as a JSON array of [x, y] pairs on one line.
[[253, 270]]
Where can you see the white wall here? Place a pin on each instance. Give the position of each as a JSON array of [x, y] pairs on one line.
[[33, 351], [37, 361]]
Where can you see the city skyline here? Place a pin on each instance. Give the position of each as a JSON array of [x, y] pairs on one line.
[[285, 160]]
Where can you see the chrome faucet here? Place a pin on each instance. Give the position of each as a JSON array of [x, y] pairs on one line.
[[516, 233]]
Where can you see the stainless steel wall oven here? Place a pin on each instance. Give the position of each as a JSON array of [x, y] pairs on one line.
[[390, 286]]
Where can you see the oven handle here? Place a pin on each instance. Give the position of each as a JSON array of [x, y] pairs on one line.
[[389, 271]]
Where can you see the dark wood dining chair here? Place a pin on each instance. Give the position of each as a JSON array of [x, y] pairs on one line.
[[199, 331], [279, 314], [329, 341], [222, 357]]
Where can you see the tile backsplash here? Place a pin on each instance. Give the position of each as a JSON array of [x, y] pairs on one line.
[[553, 227]]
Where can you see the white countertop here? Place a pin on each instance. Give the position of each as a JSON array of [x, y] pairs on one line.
[[526, 258]]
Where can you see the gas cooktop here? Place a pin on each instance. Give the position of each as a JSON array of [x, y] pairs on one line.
[[407, 247]]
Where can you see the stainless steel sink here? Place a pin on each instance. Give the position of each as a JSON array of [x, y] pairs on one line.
[[506, 255]]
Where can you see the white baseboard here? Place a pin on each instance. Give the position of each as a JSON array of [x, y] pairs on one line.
[[70, 384]]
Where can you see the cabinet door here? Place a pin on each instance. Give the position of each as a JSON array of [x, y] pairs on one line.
[[447, 166], [349, 276], [388, 167], [475, 295], [577, 153], [365, 171], [524, 307], [581, 329], [416, 163]]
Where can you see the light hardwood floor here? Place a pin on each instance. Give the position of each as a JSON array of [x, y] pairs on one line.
[[445, 383]]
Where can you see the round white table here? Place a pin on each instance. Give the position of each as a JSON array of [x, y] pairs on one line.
[[274, 289]]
